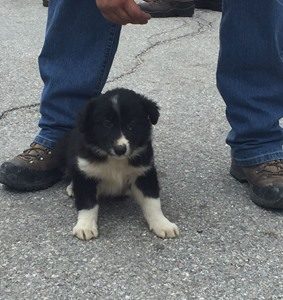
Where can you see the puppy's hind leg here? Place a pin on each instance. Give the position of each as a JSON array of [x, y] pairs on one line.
[[69, 190], [85, 199], [146, 192]]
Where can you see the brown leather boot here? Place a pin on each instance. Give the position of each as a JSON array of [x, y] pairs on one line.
[[265, 180], [36, 168], [165, 9]]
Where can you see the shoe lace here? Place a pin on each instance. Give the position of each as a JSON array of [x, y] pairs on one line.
[[34, 153], [274, 167]]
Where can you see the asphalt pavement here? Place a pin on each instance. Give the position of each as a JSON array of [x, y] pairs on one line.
[[228, 248]]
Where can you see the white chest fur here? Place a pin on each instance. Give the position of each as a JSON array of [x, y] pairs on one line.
[[115, 175]]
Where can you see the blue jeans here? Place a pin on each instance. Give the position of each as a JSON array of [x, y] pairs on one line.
[[80, 46], [250, 78], [74, 64]]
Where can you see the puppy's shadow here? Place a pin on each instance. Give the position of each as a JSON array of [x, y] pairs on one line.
[[118, 207]]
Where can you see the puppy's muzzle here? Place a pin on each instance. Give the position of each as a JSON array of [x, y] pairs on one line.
[[120, 149]]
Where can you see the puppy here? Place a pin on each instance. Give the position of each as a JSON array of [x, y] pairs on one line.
[[110, 153]]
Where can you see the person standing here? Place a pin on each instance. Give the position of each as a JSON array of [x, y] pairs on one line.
[[75, 62]]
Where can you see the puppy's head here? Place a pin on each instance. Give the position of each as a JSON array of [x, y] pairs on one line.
[[118, 122]]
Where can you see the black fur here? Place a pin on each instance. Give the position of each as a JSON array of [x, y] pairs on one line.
[[100, 124], [84, 189], [148, 183]]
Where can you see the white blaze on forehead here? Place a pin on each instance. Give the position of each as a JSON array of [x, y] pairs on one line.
[[114, 101], [121, 141]]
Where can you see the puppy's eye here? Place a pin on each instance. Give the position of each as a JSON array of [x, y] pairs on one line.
[[131, 125], [107, 124]]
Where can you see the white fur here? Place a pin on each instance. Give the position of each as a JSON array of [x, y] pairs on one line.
[[115, 101], [154, 216], [98, 150], [69, 190], [138, 151], [86, 227], [116, 175], [122, 141]]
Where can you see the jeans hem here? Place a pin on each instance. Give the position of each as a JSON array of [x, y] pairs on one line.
[[260, 159], [44, 142]]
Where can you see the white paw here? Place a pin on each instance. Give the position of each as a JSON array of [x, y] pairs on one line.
[[69, 190], [85, 232], [164, 228]]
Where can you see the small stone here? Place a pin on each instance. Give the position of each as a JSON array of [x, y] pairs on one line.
[[159, 247]]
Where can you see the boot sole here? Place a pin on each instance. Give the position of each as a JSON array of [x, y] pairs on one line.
[[238, 176], [28, 187], [11, 182], [176, 12], [254, 197]]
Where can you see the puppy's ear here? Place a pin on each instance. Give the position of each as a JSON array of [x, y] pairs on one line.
[[84, 118], [152, 110]]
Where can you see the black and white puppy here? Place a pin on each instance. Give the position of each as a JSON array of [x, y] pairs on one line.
[[110, 153]]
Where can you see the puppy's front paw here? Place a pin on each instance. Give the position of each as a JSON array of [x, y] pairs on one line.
[[85, 232], [164, 228]]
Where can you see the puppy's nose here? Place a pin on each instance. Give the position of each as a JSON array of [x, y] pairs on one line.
[[120, 149]]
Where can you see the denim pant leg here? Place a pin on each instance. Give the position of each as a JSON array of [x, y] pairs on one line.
[[250, 78], [74, 63]]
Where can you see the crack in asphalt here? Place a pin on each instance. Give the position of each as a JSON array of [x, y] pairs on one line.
[[202, 26], [138, 58], [5, 113]]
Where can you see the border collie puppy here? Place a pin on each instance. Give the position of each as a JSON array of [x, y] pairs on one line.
[[109, 154]]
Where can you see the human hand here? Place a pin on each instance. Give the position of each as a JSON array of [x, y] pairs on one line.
[[122, 11]]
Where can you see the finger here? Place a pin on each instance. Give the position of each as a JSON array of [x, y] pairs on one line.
[[112, 17], [123, 16], [136, 14], [119, 16]]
